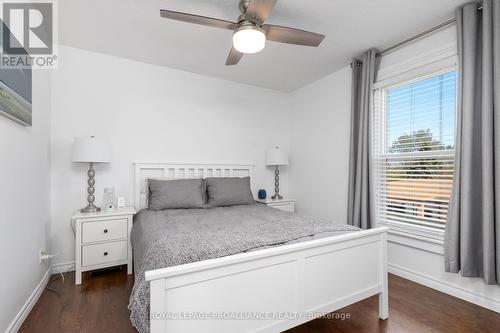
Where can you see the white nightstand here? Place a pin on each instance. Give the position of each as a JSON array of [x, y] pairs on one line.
[[102, 240], [288, 205]]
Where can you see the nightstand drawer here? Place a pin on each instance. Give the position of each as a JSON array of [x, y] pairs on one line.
[[104, 230], [98, 254]]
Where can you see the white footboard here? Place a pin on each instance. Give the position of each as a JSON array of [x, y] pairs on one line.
[[273, 289]]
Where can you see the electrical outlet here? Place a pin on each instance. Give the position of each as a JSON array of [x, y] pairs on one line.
[[41, 254], [44, 256]]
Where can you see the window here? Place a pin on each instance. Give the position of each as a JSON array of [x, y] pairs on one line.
[[413, 148]]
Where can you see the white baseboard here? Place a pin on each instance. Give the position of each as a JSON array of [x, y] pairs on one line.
[[63, 267], [15, 325], [445, 287]]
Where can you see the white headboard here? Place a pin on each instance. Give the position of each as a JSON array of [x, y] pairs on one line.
[[144, 171]]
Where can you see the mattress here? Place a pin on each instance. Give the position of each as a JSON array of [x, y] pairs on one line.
[[179, 236]]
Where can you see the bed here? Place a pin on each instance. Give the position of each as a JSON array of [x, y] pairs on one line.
[[268, 272]]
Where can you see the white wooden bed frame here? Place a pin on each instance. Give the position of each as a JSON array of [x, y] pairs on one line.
[[269, 290]]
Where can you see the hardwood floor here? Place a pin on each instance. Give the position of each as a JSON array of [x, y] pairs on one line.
[[100, 305]]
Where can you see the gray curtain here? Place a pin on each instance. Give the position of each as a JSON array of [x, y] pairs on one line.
[[360, 202], [472, 240]]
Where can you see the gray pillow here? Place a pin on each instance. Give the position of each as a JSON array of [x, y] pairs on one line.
[[177, 193], [229, 191]]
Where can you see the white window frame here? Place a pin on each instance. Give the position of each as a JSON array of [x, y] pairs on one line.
[[447, 64]]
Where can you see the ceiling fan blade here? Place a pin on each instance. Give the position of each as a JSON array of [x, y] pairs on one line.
[[259, 10], [197, 19], [281, 34], [234, 57]]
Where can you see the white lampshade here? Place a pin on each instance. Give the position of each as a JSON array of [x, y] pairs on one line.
[[91, 150], [275, 156]]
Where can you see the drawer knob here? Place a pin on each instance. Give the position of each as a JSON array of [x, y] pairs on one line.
[[106, 253], [105, 231]]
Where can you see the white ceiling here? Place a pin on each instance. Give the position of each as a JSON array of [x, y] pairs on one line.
[[134, 29]]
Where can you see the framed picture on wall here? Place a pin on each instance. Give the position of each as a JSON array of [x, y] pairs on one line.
[[14, 106], [16, 90]]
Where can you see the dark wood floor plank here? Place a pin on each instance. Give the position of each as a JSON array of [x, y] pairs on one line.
[[100, 305]]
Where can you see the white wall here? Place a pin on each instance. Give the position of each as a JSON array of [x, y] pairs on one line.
[[319, 170], [152, 113], [24, 202], [427, 267], [319, 158]]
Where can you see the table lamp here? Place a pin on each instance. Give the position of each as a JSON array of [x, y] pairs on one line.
[[91, 150], [275, 157]]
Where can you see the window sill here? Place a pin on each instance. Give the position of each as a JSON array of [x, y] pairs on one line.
[[427, 240]]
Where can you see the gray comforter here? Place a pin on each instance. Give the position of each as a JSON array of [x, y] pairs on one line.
[[180, 236]]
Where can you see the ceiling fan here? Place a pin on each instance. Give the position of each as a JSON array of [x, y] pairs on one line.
[[250, 33]]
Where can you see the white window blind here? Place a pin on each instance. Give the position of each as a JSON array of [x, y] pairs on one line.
[[413, 150]]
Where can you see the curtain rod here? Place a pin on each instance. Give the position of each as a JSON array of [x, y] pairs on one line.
[[418, 36]]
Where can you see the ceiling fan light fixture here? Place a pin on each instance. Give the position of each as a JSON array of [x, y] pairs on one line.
[[249, 39]]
